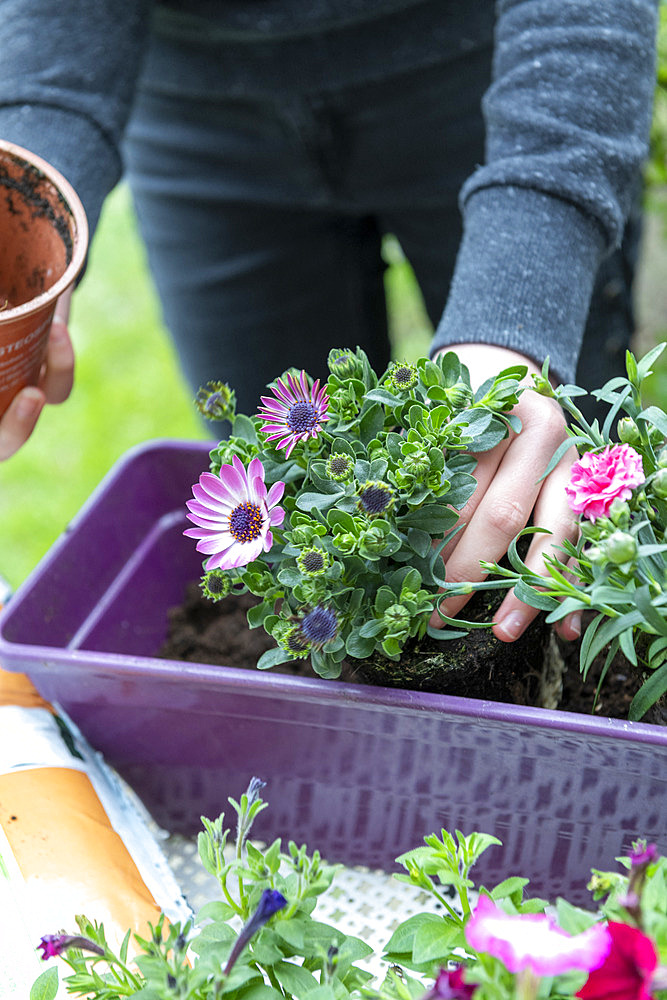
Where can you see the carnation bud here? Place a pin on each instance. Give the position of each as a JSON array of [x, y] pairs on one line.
[[543, 386], [619, 512], [627, 431], [621, 547], [594, 554], [662, 459], [659, 484]]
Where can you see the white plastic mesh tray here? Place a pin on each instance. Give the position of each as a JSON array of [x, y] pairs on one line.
[[366, 904]]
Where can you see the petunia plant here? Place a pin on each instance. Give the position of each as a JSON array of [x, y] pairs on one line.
[[333, 502], [617, 570], [262, 939]]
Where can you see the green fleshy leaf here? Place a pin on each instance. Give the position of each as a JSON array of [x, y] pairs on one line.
[[371, 423], [358, 646], [434, 518], [461, 487], [272, 657], [244, 428], [384, 397], [317, 501], [257, 614], [493, 435], [509, 887], [419, 541], [295, 979], [45, 987], [434, 942], [402, 940], [215, 910]]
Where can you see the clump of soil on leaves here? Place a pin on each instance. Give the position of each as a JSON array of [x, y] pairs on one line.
[[479, 666]]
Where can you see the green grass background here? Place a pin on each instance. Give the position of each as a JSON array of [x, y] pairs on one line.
[[128, 387]]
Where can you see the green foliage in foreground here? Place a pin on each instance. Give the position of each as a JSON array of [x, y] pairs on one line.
[[284, 953]]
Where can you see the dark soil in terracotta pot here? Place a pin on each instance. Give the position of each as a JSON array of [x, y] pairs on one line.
[[201, 631]]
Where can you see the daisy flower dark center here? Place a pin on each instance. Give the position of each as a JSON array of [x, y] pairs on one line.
[[311, 561], [375, 498], [245, 522], [319, 625], [302, 417], [403, 375], [339, 466]]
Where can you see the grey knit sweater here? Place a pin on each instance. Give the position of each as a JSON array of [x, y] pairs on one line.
[[567, 117]]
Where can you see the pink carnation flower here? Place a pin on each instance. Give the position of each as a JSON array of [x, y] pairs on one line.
[[533, 941], [599, 478]]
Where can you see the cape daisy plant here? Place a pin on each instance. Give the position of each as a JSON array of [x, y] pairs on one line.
[[333, 502], [371, 471]]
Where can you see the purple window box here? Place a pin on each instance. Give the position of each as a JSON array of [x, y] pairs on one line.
[[362, 773]]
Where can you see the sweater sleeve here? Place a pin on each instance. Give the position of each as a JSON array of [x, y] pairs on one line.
[[567, 120], [67, 78]]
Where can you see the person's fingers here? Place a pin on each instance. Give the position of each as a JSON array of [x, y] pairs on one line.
[[509, 491], [553, 513], [19, 420], [501, 512], [485, 470], [57, 377]]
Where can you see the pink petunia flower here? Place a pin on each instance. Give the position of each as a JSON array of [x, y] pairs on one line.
[[234, 514], [599, 478], [53, 945], [295, 412], [627, 970], [533, 941]]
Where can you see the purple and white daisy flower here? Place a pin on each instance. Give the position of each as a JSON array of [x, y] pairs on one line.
[[295, 412], [234, 514]]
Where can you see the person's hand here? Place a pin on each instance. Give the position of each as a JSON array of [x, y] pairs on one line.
[[509, 492], [54, 385]]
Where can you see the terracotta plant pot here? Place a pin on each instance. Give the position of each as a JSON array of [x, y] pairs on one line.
[[42, 250], [360, 773]]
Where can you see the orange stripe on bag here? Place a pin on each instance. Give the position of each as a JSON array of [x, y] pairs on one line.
[[71, 859], [61, 838]]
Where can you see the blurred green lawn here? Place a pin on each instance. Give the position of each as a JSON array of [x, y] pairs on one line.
[[128, 388]]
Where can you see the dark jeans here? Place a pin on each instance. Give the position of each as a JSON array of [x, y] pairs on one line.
[[263, 213]]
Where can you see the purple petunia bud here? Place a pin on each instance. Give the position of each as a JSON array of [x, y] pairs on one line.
[[53, 945], [270, 902]]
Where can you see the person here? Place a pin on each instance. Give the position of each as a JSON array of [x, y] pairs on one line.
[[269, 146]]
